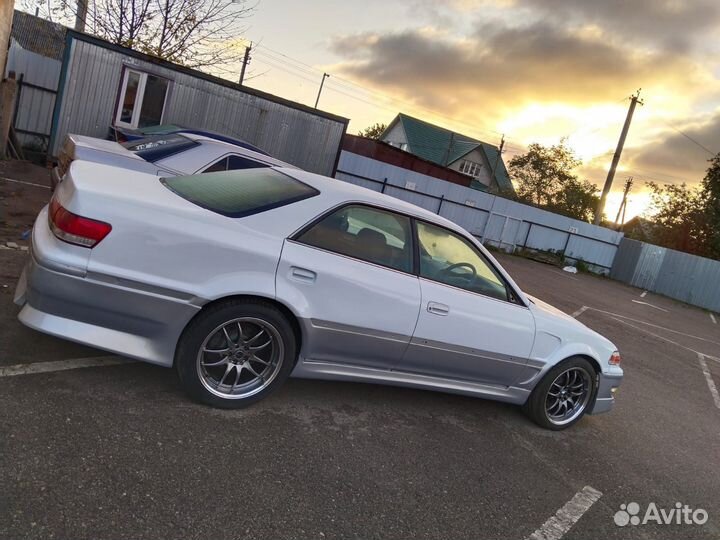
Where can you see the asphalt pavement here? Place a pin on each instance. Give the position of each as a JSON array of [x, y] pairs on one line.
[[118, 451]]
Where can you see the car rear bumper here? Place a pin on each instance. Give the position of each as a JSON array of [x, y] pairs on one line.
[[605, 396], [138, 324]]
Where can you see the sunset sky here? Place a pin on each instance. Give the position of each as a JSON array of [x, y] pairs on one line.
[[535, 70]]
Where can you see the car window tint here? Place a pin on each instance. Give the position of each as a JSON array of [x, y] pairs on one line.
[[449, 258], [373, 235], [240, 193], [240, 162], [218, 166]]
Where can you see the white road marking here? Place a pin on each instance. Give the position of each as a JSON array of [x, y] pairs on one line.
[[24, 182], [579, 312], [565, 274], [709, 379], [646, 304], [643, 294], [712, 317], [663, 338], [655, 326], [61, 365], [556, 527]]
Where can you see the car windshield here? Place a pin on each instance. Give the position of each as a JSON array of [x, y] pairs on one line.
[[157, 147], [240, 193]]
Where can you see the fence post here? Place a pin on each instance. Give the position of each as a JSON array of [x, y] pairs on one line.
[[567, 241], [442, 199], [527, 235], [487, 224], [17, 99], [382, 189], [8, 87]]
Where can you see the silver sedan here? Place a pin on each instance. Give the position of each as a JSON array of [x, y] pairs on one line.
[[242, 279]]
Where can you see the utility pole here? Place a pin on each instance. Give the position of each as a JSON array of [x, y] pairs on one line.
[[7, 87], [634, 100], [623, 204], [497, 158], [245, 62], [325, 76], [81, 15]]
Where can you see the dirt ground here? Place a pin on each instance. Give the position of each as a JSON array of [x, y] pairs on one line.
[[24, 190]]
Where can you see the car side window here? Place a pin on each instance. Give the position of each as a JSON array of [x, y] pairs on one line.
[[450, 259], [365, 233], [218, 166], [240, 162]]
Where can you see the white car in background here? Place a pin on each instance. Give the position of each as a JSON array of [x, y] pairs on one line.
[[172, 154], [240, 279]]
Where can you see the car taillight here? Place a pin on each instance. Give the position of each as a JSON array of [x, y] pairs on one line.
[[75, 229], [615, 359]]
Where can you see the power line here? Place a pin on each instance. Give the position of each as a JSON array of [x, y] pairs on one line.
[[340, 80], [688, 137]]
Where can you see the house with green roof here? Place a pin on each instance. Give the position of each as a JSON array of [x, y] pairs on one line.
[[478, 159]]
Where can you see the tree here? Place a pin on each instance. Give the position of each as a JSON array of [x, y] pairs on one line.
[[711, 208], [194, 33], [374, 131], [545, 178], [577, 199], [678, 217]]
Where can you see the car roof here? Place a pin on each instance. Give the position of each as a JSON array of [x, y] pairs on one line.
[[246, 151], [222, 138], [340, 191]]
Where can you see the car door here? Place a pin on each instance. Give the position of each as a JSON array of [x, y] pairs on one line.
[[349, 275], [470, 327]]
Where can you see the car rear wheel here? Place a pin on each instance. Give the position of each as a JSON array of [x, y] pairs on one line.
[[561, 398], [236, 353]]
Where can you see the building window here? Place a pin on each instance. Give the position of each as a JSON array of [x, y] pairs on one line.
[[142, 99], [470, 168]]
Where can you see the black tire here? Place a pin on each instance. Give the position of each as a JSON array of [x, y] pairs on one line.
[[196, 380], [537, 404]]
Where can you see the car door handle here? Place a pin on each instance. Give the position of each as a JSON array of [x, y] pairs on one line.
[[436, 308], [302, 274]]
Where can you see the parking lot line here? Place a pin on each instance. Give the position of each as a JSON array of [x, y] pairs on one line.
[[556, 527], [24, 182], [579, 312], [61, 365], [712, 318], [709, 380], [564, 274], [663, 338], [656, 326], [650, 305]]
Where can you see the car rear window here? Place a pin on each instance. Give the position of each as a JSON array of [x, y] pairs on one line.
[[157, 147], [240, 193]]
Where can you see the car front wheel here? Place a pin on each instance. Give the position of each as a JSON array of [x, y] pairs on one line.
[[235, 353], [561, 398]]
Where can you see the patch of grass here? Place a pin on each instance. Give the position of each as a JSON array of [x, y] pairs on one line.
[[582, 266]]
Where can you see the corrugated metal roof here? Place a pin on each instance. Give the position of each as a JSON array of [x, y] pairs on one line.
[[38, 35], [443, 146]]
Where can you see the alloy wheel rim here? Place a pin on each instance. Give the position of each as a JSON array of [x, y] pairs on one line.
[[240, 358], [568, 396]]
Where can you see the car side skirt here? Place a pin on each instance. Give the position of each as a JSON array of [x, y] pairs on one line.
[[309, 369]]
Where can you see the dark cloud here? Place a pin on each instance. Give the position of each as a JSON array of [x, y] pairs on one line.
[[499, 68], [671, 24], [675, 158]]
